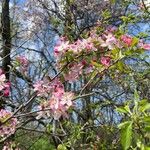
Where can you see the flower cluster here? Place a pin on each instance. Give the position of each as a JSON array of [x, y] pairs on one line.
[[59, 101], [4, 86], [145, 46], [93, 43], [44, 88], [10, 146], [82, 57], [79, 55], [7, 127], [23, 63]]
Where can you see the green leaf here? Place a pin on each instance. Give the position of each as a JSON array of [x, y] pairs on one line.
[[129, 52], [113, 1], [136, 100], [147, 119], [136, 96], [123, 124], [147, 148], [120, 55], [144, 105], [61, 147], [97, 65], [127, 108], [114, 54], [120, 65], [122, 110], [147, 128], [126, 135], [134, 41]]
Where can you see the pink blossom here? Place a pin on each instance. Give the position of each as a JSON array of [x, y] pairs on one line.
[[74, 71], [111, 29], [57, 106], [87, 44], [9, 127], [22, 60], [76, 47], [105, 60], [44, 88], [57, 109], [23, 63], [10, 146], [58, 91], [61, 48], [2, 81], [67, 99], [110, 41], [40, 88], [88, 69], [1, 72], [6, 90], [83, 62], [145, 46], [7, 84], [4, 86], [127, 39], [71, 76], [141, 6]]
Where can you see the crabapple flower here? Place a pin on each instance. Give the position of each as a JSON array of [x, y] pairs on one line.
[[22, 59], [67, 99], [1, 72], [44, 88], [74, 71], [105, 60], [144, 46], [86, 44], [110, 41], [23, 63], [2, 81], [59, 107], [88, 69], [80, 45], [111, 29], [9, 126], [56, 106], [6, 92], [58, 91], [4, 86], [6, 89], [40, 88], [127, 39], [61, 48], [10, 146]]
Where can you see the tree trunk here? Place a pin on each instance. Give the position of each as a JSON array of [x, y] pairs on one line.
[[6, 37]]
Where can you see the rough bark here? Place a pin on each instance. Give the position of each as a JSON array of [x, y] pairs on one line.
[[6, 37]]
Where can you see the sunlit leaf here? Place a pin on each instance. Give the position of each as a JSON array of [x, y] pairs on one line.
[[126, 135], [121, 110], [61, 147]]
